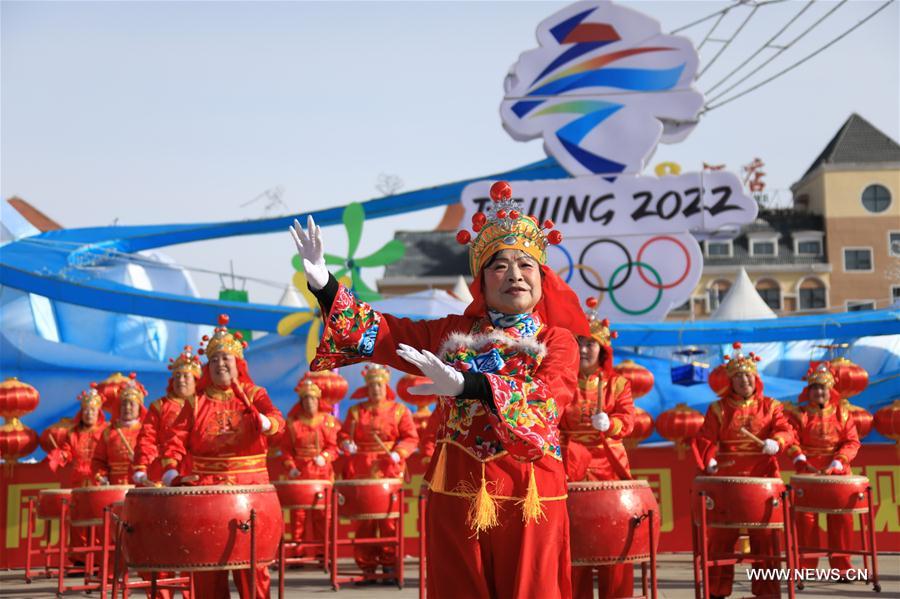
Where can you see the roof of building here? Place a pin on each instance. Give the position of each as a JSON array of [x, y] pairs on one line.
[[857, 142], [785, 224]]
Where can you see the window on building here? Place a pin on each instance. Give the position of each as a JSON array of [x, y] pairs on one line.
[[895, 293], [685, 307], [860, 305], [812, 295], [717, 292], [858, 259], [811, 247], [763, 248], [719, 249], [894, 243], [770, 291], [876, 198]]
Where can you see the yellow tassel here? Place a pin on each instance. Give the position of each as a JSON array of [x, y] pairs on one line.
[[532, 510], [438, 480], [483, 509]]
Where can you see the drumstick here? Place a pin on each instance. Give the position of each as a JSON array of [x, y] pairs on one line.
[[753, 437], [381, 443]]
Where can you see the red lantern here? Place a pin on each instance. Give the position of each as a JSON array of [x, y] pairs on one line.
[[641, 379], [849, 379], [643, 428], [679, 425], [422, 402], [17, 399], [16, 441], [54, 435], [719, 381], [862, 417], [887, 422], [333, 386]]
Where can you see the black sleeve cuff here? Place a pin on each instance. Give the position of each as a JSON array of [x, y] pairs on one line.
[[475, 386], [326, 295]]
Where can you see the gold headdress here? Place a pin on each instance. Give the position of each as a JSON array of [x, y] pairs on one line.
[[188, 361], [504, 227], [821, 375], [307, 387], [223, 341], [132, 391], [599, 327], [376, 372], [91, 398], [738, 362]]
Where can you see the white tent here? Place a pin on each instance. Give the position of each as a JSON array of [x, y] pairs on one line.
[[431, 303], [742, 302]]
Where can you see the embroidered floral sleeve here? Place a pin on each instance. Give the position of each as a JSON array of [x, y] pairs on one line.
[[527, 408]]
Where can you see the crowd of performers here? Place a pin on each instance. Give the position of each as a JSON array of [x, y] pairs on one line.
[[528, 401]]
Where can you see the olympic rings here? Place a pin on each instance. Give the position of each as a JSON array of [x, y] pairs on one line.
[[659, 291], [629, 264], [586, 268], [659, 285], [571, 267]]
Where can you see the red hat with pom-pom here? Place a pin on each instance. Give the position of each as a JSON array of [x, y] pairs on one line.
[[738, 362], [599, 326], [223, 341], [503, 227]]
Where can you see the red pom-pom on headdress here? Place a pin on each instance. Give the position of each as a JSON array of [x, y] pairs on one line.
[[501, 190], [223, 319], [463, 237]]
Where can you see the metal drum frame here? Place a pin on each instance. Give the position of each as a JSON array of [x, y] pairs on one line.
[[867, 550], [324, 544], [49, 549], [703, 560]]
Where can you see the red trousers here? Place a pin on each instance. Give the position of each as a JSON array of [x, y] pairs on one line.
[[512, 560], [840, 529], [308, 526], [214, 585], [722, 540], [614, 581], [368, 557]]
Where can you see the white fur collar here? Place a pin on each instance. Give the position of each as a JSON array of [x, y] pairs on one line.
[[481, 340]]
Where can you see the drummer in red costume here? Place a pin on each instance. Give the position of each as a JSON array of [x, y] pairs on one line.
[[378, 436], [161, 415], [593, 427], [826, 442], [78, 448], [224, 432], [115, 449], [497, 522], [723, 450], [309, 448]]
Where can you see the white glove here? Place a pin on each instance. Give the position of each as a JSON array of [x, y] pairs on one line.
[[395, 457], [265, 423], [770, 447], [169, 476], [836, 466], [139, 477], [294, 473], [319, 461], [600, 421], [349, 447], [309, 246], [103, 480], [800, 458], [446, 380], [712, 467]]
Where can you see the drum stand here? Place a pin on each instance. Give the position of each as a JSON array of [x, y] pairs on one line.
[[48, 549], [866, 535], [423, 501], [703, 561], [120, 571], [299, 546], [89, 551], [337, 543]]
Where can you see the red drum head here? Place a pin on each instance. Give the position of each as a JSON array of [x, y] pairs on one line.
[[303, 494], [369, 498], [739, 501], [830, 494], [88, 503]]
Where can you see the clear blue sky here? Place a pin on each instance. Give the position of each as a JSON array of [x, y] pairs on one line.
[[156, 112]]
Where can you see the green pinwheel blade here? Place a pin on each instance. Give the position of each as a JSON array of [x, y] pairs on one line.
[[361, 290], [340, 273], [354, 215], [297, 263], [332, 260], [390, 252]]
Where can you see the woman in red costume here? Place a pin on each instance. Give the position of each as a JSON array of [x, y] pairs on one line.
[[186, 371], [378, 436], [723, 450], [826, 442], [593, 427], [309, 448], [77, 450], [115, 449], [497, 522], [224, 431]]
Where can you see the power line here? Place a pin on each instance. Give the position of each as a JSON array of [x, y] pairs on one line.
[[710, 107], [728, 41]]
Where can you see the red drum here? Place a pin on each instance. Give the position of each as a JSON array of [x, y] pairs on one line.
[[369, 498], [739, 501], [607, 521], [49, 505], [830, 494], [88, 503], [302, 494], [200, 528]]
